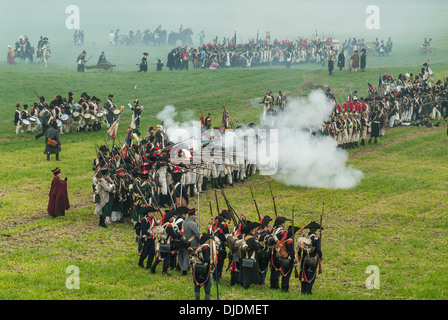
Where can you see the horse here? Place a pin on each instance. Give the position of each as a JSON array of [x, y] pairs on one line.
[[184, 37], [44, 54], [162, 38]]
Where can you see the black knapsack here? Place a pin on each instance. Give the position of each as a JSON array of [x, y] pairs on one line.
[[137, 228]]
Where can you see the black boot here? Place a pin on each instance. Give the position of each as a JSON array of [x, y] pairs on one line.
[[57, 157], [363, 142], [221, 182], [149, 264], [204, 184], [191, 190], [154, 266], [48, 157], [274, 284], [102, 222], [165, 273]]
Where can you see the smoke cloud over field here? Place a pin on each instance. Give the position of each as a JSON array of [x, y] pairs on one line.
[[311, 160], [286, 151]]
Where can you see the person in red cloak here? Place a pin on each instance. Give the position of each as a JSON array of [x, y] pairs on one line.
[[58, 202]]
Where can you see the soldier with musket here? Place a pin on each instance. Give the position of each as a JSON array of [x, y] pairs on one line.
[[146, 248], [180, 254], [234, 254], [142, 191], [201, 257], [267, 243], [375, 123], [283, 260], [279, 233], [249, 265], [119, 200], [178, 191], [165, 245], [310, 256], [218, 231]]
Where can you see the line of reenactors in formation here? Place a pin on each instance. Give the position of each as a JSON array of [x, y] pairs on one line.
[[251, 249], [152, 177], [406, 101], [85, 115]]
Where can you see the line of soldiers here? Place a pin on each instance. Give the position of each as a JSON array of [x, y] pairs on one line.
[[85, 115], [38, 118], [154, 177], [251, 249], [407, 101], [260, 52]]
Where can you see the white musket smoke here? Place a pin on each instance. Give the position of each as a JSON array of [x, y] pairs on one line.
[[311, 160]]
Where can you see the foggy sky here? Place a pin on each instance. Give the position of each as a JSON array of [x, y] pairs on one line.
[[285, 19]]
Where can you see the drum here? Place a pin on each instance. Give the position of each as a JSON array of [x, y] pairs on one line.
[[101, 116], [88, 118], [25, 124], [65, 118], [76, 116], [33, 121], [59, 123], [117, 113]]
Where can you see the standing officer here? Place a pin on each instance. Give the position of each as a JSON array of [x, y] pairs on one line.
[[110, 107], [52, 134], [341, 60], [144, 64], [330, 64]]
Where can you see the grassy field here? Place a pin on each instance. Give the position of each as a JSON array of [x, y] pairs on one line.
[[394, 219]]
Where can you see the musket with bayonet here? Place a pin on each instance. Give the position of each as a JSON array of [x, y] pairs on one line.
[[273, 201], [102, 156], [296, 273], [231, 210], [255, 202], [320, 234], [146, 202], [217, 203]]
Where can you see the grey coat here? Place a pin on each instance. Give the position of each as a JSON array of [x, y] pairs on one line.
[[190, 229], [52, 133], [103, 188]]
